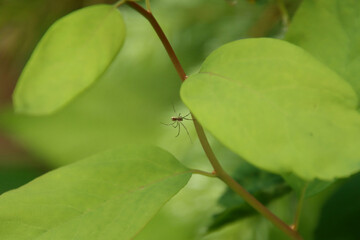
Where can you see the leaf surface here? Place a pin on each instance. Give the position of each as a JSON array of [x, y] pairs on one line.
[[73, 53], [278, 107], [108, 196], [329, 30]]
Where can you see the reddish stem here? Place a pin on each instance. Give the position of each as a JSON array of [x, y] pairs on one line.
[[150, 17]]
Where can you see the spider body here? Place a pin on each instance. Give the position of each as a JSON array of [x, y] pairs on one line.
[[177, 123], [179, 118]]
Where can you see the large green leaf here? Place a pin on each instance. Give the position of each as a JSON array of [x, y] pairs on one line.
[[73, 53], [109, 196], [329, 30], [278, 107], [118, 109]]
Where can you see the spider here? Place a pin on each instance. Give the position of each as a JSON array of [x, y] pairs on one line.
[[177, 122]]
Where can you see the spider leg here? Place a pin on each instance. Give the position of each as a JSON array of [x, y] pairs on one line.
[[186, 118], [168, 124], [175, 124], [178, 125], [186, 131], [187, 114]]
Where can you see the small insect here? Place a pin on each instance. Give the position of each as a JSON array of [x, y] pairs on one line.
[[177, 122]]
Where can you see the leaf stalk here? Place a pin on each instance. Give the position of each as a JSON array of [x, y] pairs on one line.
[[200, 172]]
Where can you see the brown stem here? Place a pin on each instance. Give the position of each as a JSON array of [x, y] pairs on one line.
[[150, 17], [207, 149], [251, 200], [219, 171], [236, 187]]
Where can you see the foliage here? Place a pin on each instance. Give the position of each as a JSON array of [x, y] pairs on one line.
[[296, 115], [126, 185], [87, 37], [263, 185], [283, 115]]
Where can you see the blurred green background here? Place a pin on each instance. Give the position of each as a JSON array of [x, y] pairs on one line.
[[135, 94], [129, 102]]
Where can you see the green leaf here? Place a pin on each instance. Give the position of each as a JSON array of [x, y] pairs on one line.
[[279, 108], [112, 195], [312, 188], [95, 120], [329, 30], [339, 218], [262, 185], [74, 52]]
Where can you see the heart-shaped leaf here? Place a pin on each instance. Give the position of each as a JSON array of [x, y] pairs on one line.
[[73, 53], [109, 196], [279, 108]]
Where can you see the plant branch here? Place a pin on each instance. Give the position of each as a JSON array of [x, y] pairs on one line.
[[207, 149], [150, 17], [236, 187], [218, 170], [208, 174], [252, 201]]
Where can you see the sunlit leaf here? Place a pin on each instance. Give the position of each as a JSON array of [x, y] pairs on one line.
[[279, 108], [73, 53], [112, 195]]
